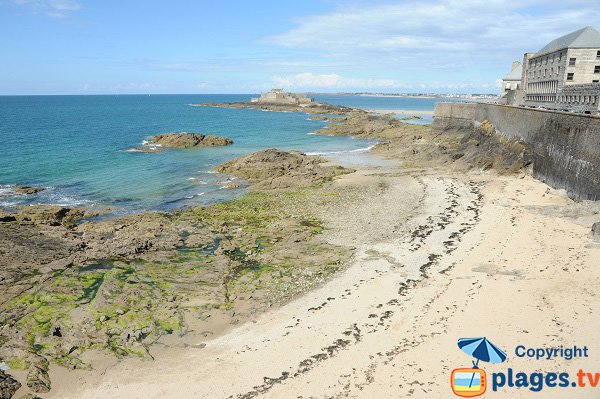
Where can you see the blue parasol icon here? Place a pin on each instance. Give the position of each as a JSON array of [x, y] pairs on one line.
[[481, 349]]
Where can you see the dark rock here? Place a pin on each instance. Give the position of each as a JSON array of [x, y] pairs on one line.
[[52, 215], [37, 377], [27, 190], [6, 217], [596, 231], [188, 140], [8, 386]]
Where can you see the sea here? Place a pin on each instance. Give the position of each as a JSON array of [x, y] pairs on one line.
[[76, 147]]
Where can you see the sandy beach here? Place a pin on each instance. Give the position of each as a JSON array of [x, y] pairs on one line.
[[439, 257]]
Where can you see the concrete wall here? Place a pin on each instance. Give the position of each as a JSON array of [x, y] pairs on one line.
[[566, 147]]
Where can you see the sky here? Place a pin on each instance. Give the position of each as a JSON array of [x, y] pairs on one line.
[[185, 46]]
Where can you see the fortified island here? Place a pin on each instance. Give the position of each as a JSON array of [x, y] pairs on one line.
[[278, 96]]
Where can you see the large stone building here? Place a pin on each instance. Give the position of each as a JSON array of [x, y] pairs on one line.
[[564, 75], [511, 84], [279, 96]]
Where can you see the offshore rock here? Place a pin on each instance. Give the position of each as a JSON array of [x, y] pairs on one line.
[[27, 190], [188, 140], [52, 215]]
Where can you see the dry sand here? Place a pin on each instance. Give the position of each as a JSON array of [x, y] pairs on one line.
[[438, 258]]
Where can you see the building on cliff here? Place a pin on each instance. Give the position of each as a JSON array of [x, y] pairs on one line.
[[279, 96], [564, 75]]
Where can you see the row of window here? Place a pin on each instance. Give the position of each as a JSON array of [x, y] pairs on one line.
[[588, 100], [550, 59], [544, 60], [581, 100], [542, 99], [544, 73]]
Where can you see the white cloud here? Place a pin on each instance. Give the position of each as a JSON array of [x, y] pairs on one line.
[[458, 32], [307, 80], [310, 81], [50, 8]]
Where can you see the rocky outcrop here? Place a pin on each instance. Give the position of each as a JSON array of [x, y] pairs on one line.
[[273, 169], [312, 108], [37, 377], [482, 147], [8, 386], [163, 141], [52, 215], [188, 140], [27, 190]]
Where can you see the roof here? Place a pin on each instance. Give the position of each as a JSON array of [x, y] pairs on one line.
[[515, 74], [587, 37]]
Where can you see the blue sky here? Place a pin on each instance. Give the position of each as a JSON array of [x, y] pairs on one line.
[[151, 46]]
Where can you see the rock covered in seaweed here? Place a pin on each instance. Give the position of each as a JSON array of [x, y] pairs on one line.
[[273, 168], [27, 190], [189, 140], [160, 142]]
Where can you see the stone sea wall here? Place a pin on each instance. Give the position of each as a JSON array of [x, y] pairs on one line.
[[565, 147]]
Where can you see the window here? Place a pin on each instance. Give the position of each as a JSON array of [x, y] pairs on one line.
[[595, 81], [597, 69], [572, 61], [598, 54], [570, 76]]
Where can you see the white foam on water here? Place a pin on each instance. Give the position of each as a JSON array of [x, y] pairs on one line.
[[195, 195], [358, 150], [7, 192]]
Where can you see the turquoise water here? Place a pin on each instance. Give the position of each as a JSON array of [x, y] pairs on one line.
[[75, 146]]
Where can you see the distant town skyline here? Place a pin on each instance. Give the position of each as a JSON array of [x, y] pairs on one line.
[[430, 46]]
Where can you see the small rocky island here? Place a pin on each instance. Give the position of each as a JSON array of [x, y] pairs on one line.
[[280, 101], [182, 140]]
